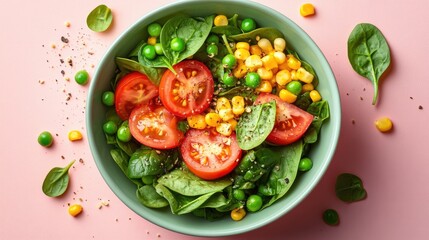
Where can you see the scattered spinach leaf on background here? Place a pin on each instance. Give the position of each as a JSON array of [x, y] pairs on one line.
[[57, 181], [349, 188], [99, 19], [368, 53]]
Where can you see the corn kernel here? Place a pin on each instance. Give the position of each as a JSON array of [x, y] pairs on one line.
[[241, 54], [265, 45], [213, 119], [242, 45], [280, 57], [255, 50], [269, 62], [306, 9], [293, 62], [197, 121], [238, 214], [264, 73], [75, 209], [279, 44], [304, 75], [253, 62], [224, 129], [293, 75], [307, 87], [220, 20], [383, 124], [284, 66], [315, 96], [265, 87], [75, 135], [226, 114], [151, 40], [237, 105], [240, 70], [233, 123], [283, 77], [222, 103], [287, 96]]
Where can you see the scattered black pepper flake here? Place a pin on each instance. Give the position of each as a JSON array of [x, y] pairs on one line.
[[347, 94], [63, 73], [361, 98], [411, 98], [117, 220], [364, 89], [353, 122], [64, 39], [70, 62], [420, 107], [61, 60], [90, 53], [62, 157]]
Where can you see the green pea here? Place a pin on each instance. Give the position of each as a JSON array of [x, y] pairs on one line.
[[239, 194], [148, 179], [158, 49], [124, 133], [81, 77], [149, 52], [294, 87], [248, 24], [177, 44], [108, 98], [154, 29], [212, 39], [45, 139], [229, 80], [229, 61], [305, 164], [252, 80], [110, 127], [254, 203], [330, 217], [212, 50]]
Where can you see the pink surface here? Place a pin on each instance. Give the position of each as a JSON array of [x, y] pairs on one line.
[[392, 166]]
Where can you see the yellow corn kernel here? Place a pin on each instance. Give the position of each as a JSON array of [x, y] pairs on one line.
[[306, 9], [240, 70], [222, 103], [197, 121], [241, 54], [255, 50], [242, 45], [220, 20], [269, 62], [233, 123], [279, 44], [75, 209], [293, 62], [212, 119], [253, 62], [383, 124], [226, 114], [283, 77], [265, 87], [237, 105], [315, 96], [287, 96], [75, 135], [293, 75], [307, 87], [304, 75], [264, 73], [280, 57], [224, 129], [238, 214], [151, 40], [265, 45], [284, 66]]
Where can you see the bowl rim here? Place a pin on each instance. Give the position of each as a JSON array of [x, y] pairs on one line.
[[336, 120]]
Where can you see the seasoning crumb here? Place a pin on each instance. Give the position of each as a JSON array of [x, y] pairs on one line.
[[158, 235], [117, 220], [53, 46], [81, 160], [91, 53], [62, 157], [353, 121], [42, 81], [420, 107], [411, 98], [67, 79], [67, 24], [63, 72], [64, 39], [129, 219], [361, 98]]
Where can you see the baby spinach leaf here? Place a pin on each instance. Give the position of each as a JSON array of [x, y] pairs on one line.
[[128, 65], [146, 162], [238, 90], [368, 53], [228, 30], [120, 158], [306, 66], [148, 196], [99, 19], [254, 126], [57, 181], [349, 188], [320, 111], [265, 32]]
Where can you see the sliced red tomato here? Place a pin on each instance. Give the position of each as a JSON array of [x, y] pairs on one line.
[[208, 154], [189, 91], [133, 89], [153, 126], [291, 121]]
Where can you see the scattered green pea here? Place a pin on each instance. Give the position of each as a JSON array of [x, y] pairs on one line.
[[158, 49], [294, 87], [81, 77], [248, 24], [239, 194], [108, 98], [45, 139], [229, 61], [177, 44], [305, 164], [229, 80], [212, 50], [124, 133], [110, 127], [149, 52], [330, 217], [212, 39], [254, 203], [252, 80], [154, 29]]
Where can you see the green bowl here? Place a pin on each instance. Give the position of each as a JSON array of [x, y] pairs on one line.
[[321, 153]]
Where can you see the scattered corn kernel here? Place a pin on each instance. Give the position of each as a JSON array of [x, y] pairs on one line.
[[224, 129], [269, 62], [307, 9], [242, 45], [283, 77], [75, 209], [213, 119], [265, 87], [307, 87], [287, 96], [237, 105], [265, 45], [241, 54], [75, 135], [315, 96], [255, 50], [264, 73], [151, 40], [226, 114], [253, 62], [233, 123], [222, 103], [293, 75], [304, 75], [383, 124], [293, 62], [279, 44], [220, 20], [280, 57], [240, 70], [238, 214], [197, 121]]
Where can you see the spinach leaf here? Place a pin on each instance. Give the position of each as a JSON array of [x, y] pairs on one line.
[[99, 19], [120, 158], [349, 188], [238, 90], [159, 62], [147, 162], [265, 32], [368, 53], [306, 66], [228, 30], [57, 181], [320, 111], [128, 147], [254, 126], [148, 196], [128, 65]]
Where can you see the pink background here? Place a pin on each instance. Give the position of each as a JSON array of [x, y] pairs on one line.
[[393, 167]]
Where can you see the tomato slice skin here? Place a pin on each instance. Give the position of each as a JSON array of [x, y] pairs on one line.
[[155, 127], [208, 154], [133, 89], [189, 91], [291, 121]]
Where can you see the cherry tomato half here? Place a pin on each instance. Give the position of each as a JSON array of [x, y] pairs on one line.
[[208, 154], [291, 121], [190, 91], [133, 89], [153, 126]]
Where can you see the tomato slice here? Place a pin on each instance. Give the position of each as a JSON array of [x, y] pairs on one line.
[[291, 121], [189, 91], [133, 89], [153, 126], [208, 154]]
